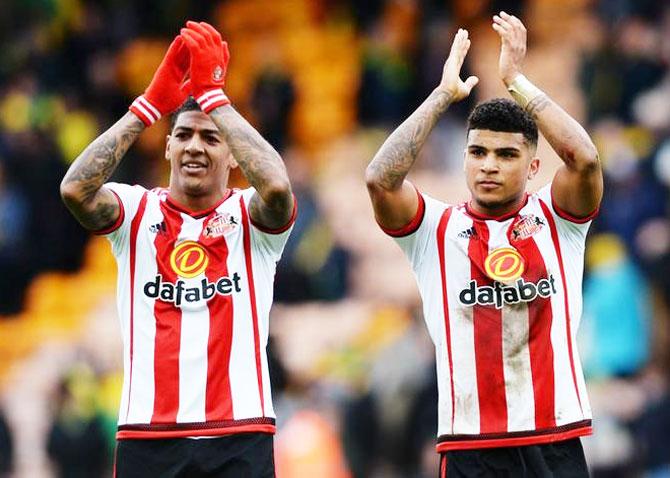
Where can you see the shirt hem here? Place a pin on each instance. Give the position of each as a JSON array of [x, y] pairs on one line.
[[536, 437], [147, 434]]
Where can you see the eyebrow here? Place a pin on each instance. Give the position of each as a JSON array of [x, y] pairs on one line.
[[510, 149], [202, 131]]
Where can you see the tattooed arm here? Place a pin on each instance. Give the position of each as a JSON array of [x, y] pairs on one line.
[[393, 198], [82, 190], [272, 204], [577, 187]]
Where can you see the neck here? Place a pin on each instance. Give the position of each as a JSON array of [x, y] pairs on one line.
[[497, 210], [195, 203]]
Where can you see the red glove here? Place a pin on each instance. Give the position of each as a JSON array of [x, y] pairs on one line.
[[209, 60], [166, 92]]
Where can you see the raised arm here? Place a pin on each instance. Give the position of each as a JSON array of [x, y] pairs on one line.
[[82, 188], [272, 204], [577, 187], [394, 199]]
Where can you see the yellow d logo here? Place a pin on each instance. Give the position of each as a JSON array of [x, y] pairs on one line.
[[504, 264], [189, 259]]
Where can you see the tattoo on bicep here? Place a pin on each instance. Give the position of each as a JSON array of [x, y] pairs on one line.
[[103, 215], [537, 105], [398, 153]]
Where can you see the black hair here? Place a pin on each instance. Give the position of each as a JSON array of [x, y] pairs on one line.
[[502, 114], [189, 105]]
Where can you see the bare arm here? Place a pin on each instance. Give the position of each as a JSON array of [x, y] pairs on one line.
[[272, 205], [393, 198], [82, 190], [577, 187]]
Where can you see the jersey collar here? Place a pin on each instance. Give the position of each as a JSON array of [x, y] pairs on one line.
[[485, 217], [196, 214]]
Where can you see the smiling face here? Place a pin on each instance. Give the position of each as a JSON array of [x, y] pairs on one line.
[[497, 166], [200, 160]]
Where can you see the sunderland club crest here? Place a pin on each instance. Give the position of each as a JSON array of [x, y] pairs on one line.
[[527, 226], [220, 224]]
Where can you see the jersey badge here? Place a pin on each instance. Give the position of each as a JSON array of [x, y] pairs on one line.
[[220, 224], [526, 227]]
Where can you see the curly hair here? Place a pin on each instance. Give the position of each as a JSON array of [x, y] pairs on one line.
[[502, 114]]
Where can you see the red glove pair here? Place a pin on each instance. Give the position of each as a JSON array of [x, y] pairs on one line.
[[198, 49]]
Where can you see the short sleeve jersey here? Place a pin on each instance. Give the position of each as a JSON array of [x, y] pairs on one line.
[[194, 293], [502, 301]]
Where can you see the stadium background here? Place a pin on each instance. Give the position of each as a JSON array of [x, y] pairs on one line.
[[325, 81]]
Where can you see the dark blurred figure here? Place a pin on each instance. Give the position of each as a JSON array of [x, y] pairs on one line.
[[14, 240], [272, 100], [77, 442], [314, 266], [360, 435], [6, 448], [626, 63]]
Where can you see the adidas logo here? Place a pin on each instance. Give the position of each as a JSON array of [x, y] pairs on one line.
[[158, 228], [468, 233]]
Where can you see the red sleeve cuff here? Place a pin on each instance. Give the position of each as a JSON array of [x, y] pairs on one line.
[[411, 226], [569, 217], [117, 223], [278, 230]]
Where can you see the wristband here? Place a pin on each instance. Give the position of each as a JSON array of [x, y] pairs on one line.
[[145, 111], [523, 91], [212, 99]]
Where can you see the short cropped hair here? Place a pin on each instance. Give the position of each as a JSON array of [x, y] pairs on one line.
[[189, 105], [502, 114]]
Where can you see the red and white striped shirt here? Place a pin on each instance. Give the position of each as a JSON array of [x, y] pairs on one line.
[[502, 301], [194, 294]]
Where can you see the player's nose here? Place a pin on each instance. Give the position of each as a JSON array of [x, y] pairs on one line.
[[194, 145], [490, 163]]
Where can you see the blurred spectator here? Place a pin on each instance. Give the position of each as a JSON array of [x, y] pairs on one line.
[[313, 266], [272, 99], [13, 244], [77, 442], [616, 323], [6, 448]]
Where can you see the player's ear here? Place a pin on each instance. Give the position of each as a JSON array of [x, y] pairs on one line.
[[167, 147], [534, 167], [230, 159], [465, 156]]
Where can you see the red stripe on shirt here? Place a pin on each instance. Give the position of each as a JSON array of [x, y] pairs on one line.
[[168, 326], [557, 247], [134, 228], [488, 342], [218, 396], [252, 298], [441, 246], [541, 350]]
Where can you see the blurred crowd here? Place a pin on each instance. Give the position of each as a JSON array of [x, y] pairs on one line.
[[325, 81]]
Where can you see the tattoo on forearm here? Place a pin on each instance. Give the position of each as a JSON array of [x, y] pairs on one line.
[[537, 104], [398, 153], [99, 160], [93, 167], [259, 161]]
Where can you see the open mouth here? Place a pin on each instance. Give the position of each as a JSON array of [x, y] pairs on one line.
[[193, 167]]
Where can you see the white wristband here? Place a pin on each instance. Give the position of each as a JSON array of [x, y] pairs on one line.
[[523, 91]]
